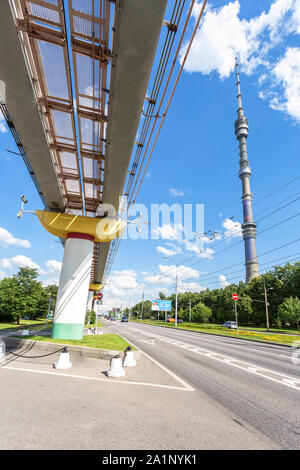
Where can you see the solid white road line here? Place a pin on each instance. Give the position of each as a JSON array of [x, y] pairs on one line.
[[98, 379], [186, 386]]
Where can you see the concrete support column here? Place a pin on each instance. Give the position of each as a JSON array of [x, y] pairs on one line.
[[90, 300], [73, 287]]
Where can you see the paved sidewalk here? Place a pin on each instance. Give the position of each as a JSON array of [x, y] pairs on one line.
[[80, 408]]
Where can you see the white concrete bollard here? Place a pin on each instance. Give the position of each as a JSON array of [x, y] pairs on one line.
[[129, 360], [2, 351], [115, 367], [63, 360]]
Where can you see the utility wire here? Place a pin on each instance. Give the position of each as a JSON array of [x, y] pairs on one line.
[[209, 276], [269, 194], [116, 244]]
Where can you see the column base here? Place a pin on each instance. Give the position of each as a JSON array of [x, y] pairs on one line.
[[67, 331]]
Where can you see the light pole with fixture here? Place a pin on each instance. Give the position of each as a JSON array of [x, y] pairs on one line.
[[266, 304], [176, 296], [142, 308], [176, 293]]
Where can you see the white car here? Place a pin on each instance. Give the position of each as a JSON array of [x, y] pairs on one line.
[[230, 324]]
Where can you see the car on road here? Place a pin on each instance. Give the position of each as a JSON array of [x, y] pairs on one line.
[[124, 319], [230, 324], [172, 320], [113, 318]]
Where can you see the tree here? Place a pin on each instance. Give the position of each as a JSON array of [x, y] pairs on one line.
[[11, 303], [162, 296], [201, 313], [90, 317], [21, 295], [289, 311], [51, 291]]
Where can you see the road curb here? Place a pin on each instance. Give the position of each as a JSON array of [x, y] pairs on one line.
[[82, 351], [215, 334]]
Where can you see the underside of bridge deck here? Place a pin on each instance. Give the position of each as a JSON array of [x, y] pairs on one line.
[[76, 76]]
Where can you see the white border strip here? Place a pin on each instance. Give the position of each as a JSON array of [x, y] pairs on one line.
[[98, 379], [186, 386]]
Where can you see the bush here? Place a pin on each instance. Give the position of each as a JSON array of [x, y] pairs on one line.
[[201, 313], [278, 322], [289, 311], [90, 317]]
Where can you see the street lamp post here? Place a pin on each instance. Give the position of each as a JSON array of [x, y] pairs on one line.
[[49, 306], [142, 304], [176, 296], [176, 293], [266, 305]]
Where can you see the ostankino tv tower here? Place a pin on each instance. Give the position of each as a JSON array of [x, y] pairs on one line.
[[248, 226]]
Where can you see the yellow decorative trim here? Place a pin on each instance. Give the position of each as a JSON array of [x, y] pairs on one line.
[[95, 287], [103, 230]]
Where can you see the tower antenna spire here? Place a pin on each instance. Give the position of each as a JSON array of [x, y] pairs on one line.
[[238, 84], [248, 226]]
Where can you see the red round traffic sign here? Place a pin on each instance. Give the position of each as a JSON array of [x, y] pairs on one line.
[[235, 297], [100, 296]]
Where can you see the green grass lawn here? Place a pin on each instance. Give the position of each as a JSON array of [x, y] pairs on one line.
[[109, 341], [219, 330], [37, 324], [291, 331], [34, 323]]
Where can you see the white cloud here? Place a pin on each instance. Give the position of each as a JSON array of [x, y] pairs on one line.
[[296, 17], [49, 281], [2, 275], [176, 192], [6, 238], [233, 229], [223, 280], [5, 263], [198, 250], [249, 40], [170, 232], [173, 250], [3, 128], [223, 35], [190, 287], [287, 74], [167, 275], [22, 261], [54, 266], [122, 289]]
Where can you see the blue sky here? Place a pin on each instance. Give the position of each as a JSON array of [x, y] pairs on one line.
[[196, 159]]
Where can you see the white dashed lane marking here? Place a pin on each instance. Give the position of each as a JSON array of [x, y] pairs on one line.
[[268, 374]]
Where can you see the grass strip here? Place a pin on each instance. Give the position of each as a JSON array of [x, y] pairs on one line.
[[109, 341], [221, 331]]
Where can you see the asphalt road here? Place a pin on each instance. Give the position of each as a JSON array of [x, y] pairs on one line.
[[256, 382]]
